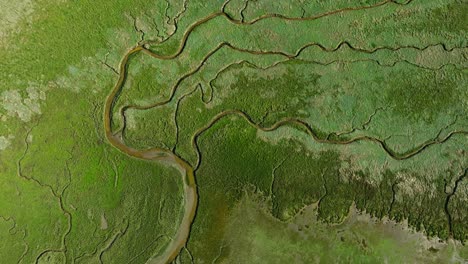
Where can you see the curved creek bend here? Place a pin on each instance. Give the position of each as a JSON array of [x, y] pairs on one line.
[[186, 170]]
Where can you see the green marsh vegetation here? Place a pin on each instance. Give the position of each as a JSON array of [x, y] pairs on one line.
[[395, 72]]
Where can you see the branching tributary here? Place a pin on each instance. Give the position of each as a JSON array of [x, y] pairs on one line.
[[186, 170]]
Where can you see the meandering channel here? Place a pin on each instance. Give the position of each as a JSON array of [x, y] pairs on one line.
[[188, 171]]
